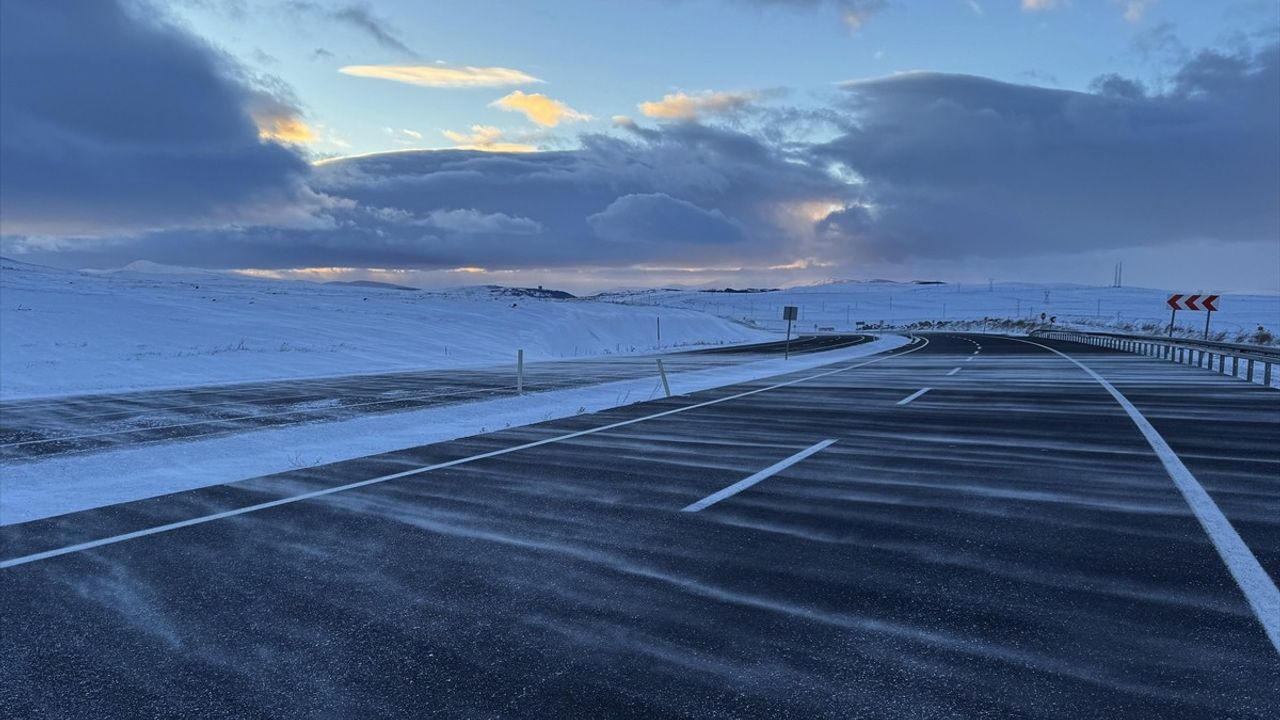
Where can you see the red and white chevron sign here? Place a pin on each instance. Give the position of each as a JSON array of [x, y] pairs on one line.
[[1193, 302]]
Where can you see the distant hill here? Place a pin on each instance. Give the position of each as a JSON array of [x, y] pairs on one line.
[[502, 291], [371, 284]]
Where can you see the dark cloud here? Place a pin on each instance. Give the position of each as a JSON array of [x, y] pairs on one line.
[[115, 124], [113, 121], [954, 165], [683, 194], [358, 16]]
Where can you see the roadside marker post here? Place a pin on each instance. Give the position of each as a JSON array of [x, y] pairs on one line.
[[789, 313], [666, 387], [520, 372]]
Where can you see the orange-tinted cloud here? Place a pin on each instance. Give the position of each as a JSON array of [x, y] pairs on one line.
[[441, 76], [487, 138], [539, 108], [686, 106]]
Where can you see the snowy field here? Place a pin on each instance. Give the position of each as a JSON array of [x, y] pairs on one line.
[[842, 305], [64, 332]]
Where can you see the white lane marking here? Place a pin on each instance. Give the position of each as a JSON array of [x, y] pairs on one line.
[[1258, 587], [953, 371], [975, 352], [913, 396], [969, 359], [11, 562], [745, 483]]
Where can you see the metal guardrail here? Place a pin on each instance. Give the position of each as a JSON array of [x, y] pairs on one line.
[[1253, 363]]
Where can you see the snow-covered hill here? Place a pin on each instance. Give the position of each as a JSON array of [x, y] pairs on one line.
[[843, 305], [151, 326]]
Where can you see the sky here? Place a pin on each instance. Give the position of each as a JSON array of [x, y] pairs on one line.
[[593, 144]]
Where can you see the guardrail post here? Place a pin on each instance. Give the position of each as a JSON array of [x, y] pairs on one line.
[[1266, 373], [1235, 366], [1248, 372]]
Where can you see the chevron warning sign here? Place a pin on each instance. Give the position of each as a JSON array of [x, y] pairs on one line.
[[1193, 302]]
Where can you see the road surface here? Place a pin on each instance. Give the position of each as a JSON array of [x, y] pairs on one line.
[[969, 526], [82, 424]]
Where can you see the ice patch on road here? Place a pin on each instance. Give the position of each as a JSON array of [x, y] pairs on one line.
[[31, 491]]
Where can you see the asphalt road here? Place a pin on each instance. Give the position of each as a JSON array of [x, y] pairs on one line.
[[1005, 544], [41, 428]]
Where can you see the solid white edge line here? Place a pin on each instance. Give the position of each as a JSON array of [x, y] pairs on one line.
[[747, 482], [1258, 587], [913, 396], [11, 562]]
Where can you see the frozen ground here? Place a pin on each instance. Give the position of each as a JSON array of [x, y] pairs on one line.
[[842, 305], [64, 332]]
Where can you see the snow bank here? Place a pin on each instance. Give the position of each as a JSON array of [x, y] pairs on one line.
[[31, 491], [64, 332]]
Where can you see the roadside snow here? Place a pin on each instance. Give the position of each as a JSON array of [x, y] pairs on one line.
[[64, 332], [842, 305], [30, 491]]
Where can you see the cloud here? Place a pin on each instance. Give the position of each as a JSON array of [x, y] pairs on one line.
[[278, 119], [1039, 5], [158, 152], [660, 218], [539, 108], [473, 222], [1135, 10], [685, 106], [439, 76], [353, 15], [487, 138], [855, 13], [704, 196], [955, 166], [112, 120], [360, 17], [404, 136]]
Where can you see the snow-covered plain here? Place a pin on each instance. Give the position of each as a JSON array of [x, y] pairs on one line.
[[65, 332], [842, 305]]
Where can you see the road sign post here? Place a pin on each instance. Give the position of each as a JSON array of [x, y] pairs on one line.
[[1196, 303], [789, 313]]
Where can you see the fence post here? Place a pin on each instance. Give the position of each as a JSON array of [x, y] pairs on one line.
[[666, 388]]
